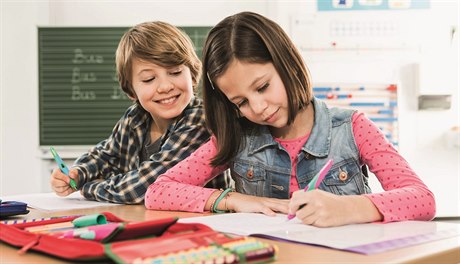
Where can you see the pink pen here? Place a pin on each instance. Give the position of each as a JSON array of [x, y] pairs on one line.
[[315, 182]]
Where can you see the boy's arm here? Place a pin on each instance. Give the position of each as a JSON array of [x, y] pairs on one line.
[[130, 187]]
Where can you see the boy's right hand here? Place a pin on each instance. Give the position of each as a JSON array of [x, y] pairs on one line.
[[60, 183]]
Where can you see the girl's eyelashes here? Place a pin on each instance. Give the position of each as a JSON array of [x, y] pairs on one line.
[[261, 89], [241, 103]]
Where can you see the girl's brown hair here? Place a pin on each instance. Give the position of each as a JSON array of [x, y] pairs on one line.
[[156, 42], [252, 38]]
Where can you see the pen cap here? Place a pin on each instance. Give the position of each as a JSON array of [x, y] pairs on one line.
[[89, 220]]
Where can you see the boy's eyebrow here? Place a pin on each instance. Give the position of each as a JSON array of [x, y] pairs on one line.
[[144, 70]]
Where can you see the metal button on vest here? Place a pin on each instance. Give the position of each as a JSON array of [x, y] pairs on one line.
[[343, 176], [250, 173]]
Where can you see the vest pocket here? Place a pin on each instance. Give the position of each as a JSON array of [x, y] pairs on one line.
[[344, 178], [249, 178]]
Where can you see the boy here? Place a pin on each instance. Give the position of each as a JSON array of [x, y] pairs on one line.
[[159, 70]]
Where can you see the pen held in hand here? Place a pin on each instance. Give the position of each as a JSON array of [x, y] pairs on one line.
[[63, 167], [315, 182]]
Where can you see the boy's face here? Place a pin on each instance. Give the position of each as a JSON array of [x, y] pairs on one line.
[[164, 92]]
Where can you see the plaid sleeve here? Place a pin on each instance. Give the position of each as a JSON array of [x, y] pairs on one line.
[[129, 188], [103, 159]]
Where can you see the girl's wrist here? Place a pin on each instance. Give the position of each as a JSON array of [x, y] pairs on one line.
[[211, 200], [220, 205]]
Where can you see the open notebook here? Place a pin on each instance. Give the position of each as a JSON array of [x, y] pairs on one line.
[[361, 238]]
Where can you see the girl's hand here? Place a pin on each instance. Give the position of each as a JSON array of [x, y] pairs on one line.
[[253, 204], [325, 209], [60, 183]]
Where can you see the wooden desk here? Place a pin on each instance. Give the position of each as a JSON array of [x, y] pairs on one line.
[[441, 251]]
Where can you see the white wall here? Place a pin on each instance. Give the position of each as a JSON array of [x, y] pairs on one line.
[[19, 162], [421, 132]]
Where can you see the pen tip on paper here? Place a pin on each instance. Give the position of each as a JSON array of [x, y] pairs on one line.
[[290, 216]]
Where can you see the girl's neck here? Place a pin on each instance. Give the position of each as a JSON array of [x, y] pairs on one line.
[[302, 125]]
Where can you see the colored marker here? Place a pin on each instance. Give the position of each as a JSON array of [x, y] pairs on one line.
[[63, 167], [315, 182], [96, 232]]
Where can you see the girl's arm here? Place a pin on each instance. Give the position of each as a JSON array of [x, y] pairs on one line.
[[406, 197], [111, 169], [181, 189]]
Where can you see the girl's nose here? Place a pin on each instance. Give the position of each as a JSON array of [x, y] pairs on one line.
[[259, 106]]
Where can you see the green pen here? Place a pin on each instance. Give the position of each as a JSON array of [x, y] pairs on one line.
[[63, 167]]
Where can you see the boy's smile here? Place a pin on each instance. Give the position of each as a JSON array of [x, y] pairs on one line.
[[163, 92]]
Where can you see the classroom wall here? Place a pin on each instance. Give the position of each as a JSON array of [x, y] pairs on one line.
[[24, 167]]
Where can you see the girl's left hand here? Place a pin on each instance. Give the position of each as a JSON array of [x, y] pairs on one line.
[[321, 209], [239, 202]]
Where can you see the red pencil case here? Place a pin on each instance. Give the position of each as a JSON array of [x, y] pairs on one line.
[[76, 248], [142, 241]]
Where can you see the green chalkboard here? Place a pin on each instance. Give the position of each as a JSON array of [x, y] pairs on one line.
[[79, 97]]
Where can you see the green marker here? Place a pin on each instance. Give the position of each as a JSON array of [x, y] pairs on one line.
[[63, 167]]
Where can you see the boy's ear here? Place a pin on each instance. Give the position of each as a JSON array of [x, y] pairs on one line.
[[132, 98]]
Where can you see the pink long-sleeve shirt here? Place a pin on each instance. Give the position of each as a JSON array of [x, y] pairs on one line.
[[405, 197]]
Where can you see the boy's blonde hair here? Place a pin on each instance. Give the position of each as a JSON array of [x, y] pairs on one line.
[[156, 42]]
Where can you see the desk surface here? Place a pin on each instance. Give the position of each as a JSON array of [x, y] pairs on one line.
[[440, 251]]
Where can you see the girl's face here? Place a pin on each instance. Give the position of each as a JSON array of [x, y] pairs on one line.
[[258, 92], [164, 92]]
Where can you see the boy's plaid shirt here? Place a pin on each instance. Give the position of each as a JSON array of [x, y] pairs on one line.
[[111, 171]]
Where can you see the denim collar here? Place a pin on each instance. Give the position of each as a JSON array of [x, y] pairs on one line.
[[318, 143]]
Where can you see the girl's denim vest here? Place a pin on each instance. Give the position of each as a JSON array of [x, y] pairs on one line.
[[263, 167]]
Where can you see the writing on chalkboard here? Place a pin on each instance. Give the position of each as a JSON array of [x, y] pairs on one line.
[[88, 77], [78, 76], [80, 57]]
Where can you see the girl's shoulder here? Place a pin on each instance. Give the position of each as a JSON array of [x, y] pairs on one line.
[[341, 114]]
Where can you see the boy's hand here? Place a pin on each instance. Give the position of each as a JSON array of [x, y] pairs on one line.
[[60, 183]]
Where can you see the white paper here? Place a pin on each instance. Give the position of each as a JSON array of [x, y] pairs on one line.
[[342, 237], [52, 202]]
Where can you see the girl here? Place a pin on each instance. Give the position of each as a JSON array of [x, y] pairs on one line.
[[275, 136], [159, 70]]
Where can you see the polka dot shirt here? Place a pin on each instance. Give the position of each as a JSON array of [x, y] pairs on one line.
[[405, 197]]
